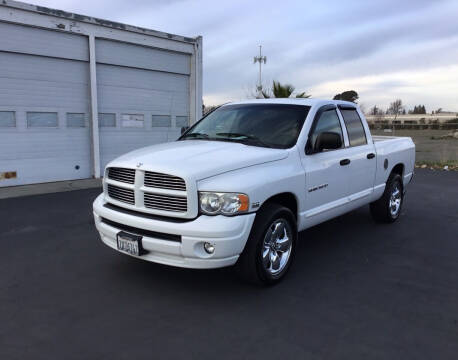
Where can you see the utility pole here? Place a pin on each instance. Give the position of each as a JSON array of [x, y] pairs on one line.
[[260, 59]]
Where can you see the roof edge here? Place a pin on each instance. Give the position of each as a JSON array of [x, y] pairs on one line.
[[93, 20]]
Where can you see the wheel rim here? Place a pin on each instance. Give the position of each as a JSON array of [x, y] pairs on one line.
[[277, 246], [395, 201]]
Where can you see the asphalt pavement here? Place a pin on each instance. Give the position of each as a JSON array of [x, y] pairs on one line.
[[357, 289]]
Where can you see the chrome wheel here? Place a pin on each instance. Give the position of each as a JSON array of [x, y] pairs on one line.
[[277, 246], [395, 201]]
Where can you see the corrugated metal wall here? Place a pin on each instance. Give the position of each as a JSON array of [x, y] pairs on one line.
[[143, 99]]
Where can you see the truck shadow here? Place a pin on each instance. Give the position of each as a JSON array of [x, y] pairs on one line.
[[321, 250]]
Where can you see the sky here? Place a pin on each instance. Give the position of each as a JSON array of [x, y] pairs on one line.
[[384, 50]]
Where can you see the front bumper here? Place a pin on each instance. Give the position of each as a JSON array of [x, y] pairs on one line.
[[228, 234]]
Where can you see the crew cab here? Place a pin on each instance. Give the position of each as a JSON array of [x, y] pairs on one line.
[[238, 186]]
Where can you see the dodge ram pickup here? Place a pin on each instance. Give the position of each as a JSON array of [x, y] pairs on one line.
[[238, 186]]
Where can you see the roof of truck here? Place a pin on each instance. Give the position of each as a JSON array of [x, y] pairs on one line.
[[294, 101]]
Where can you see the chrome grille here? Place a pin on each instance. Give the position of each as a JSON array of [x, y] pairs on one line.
[[121, 194], [165, 202], [164, 181], [121, 174]]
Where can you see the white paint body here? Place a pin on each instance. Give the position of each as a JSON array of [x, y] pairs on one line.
[[260, 173]]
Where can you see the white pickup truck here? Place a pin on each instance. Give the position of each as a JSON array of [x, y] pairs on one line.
[[238, 186]]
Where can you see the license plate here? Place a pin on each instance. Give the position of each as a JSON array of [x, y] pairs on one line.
[[129, 243]]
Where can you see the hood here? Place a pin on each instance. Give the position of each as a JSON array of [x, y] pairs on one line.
[[198, 159]]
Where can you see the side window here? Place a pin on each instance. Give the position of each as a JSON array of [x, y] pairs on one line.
[[355, 129], [328, 122]]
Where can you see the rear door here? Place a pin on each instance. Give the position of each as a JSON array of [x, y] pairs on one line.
[[360, 154]]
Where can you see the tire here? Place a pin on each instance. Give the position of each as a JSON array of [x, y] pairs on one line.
[[269, 250], [388, 208]]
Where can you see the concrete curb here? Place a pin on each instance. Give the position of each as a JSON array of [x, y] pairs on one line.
[[51, 187]]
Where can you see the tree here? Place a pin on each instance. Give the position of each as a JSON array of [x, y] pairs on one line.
[[375, 110], [208, 109], [350, 95], [395, 108], [420, 109], [283, 91]]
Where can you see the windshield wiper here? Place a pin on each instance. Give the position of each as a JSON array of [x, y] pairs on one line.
[[244, 139], [195, 135]]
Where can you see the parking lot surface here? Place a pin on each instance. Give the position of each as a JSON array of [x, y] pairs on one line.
[[357, 289]]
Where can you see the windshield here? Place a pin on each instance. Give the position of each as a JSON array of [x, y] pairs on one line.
[[267, 125]]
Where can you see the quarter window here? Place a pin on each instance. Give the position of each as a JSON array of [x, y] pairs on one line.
[[328, 122], [355, 129]]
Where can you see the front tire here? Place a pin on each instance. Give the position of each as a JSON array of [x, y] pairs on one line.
[[271, 247], [387, 209]]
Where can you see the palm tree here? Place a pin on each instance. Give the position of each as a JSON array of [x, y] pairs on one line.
[[282, 91]]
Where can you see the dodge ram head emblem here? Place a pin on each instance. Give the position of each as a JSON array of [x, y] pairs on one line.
[[139, 164]]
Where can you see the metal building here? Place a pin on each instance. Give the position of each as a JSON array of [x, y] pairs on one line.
[[77, 91]]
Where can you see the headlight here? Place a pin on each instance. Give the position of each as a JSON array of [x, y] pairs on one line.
[[214, 203]]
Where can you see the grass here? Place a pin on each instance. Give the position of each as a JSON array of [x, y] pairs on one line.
[[432, 148]]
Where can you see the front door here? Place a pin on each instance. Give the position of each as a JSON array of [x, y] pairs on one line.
[[327, 178]]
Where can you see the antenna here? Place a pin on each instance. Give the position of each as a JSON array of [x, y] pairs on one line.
[[260, 59]]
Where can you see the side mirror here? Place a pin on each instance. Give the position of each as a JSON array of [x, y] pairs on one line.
[[183, 129], [327, 141]]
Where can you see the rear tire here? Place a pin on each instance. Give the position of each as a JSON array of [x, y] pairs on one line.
[[271, 246], [388, 208]]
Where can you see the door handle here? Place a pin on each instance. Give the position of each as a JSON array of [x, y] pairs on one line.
[[344, 162], [370, 155]]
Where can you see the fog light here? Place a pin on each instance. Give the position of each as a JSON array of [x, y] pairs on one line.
[[209, 248]]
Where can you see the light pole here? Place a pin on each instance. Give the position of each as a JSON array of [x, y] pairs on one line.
[[260, 59]]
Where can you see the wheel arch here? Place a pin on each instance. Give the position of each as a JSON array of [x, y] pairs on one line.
[[398, 169], [286, 199]]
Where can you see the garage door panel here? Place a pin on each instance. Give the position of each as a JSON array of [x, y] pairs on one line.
[[31, 40], [118, 76], [45, 155], [30, 67], [35, 94], [30, 85], [128, 89], [124, 54], [31, 81], [41, 170], [133, 99]]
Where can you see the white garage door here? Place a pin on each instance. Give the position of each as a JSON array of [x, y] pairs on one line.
[[143, 96], [44, 106]]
